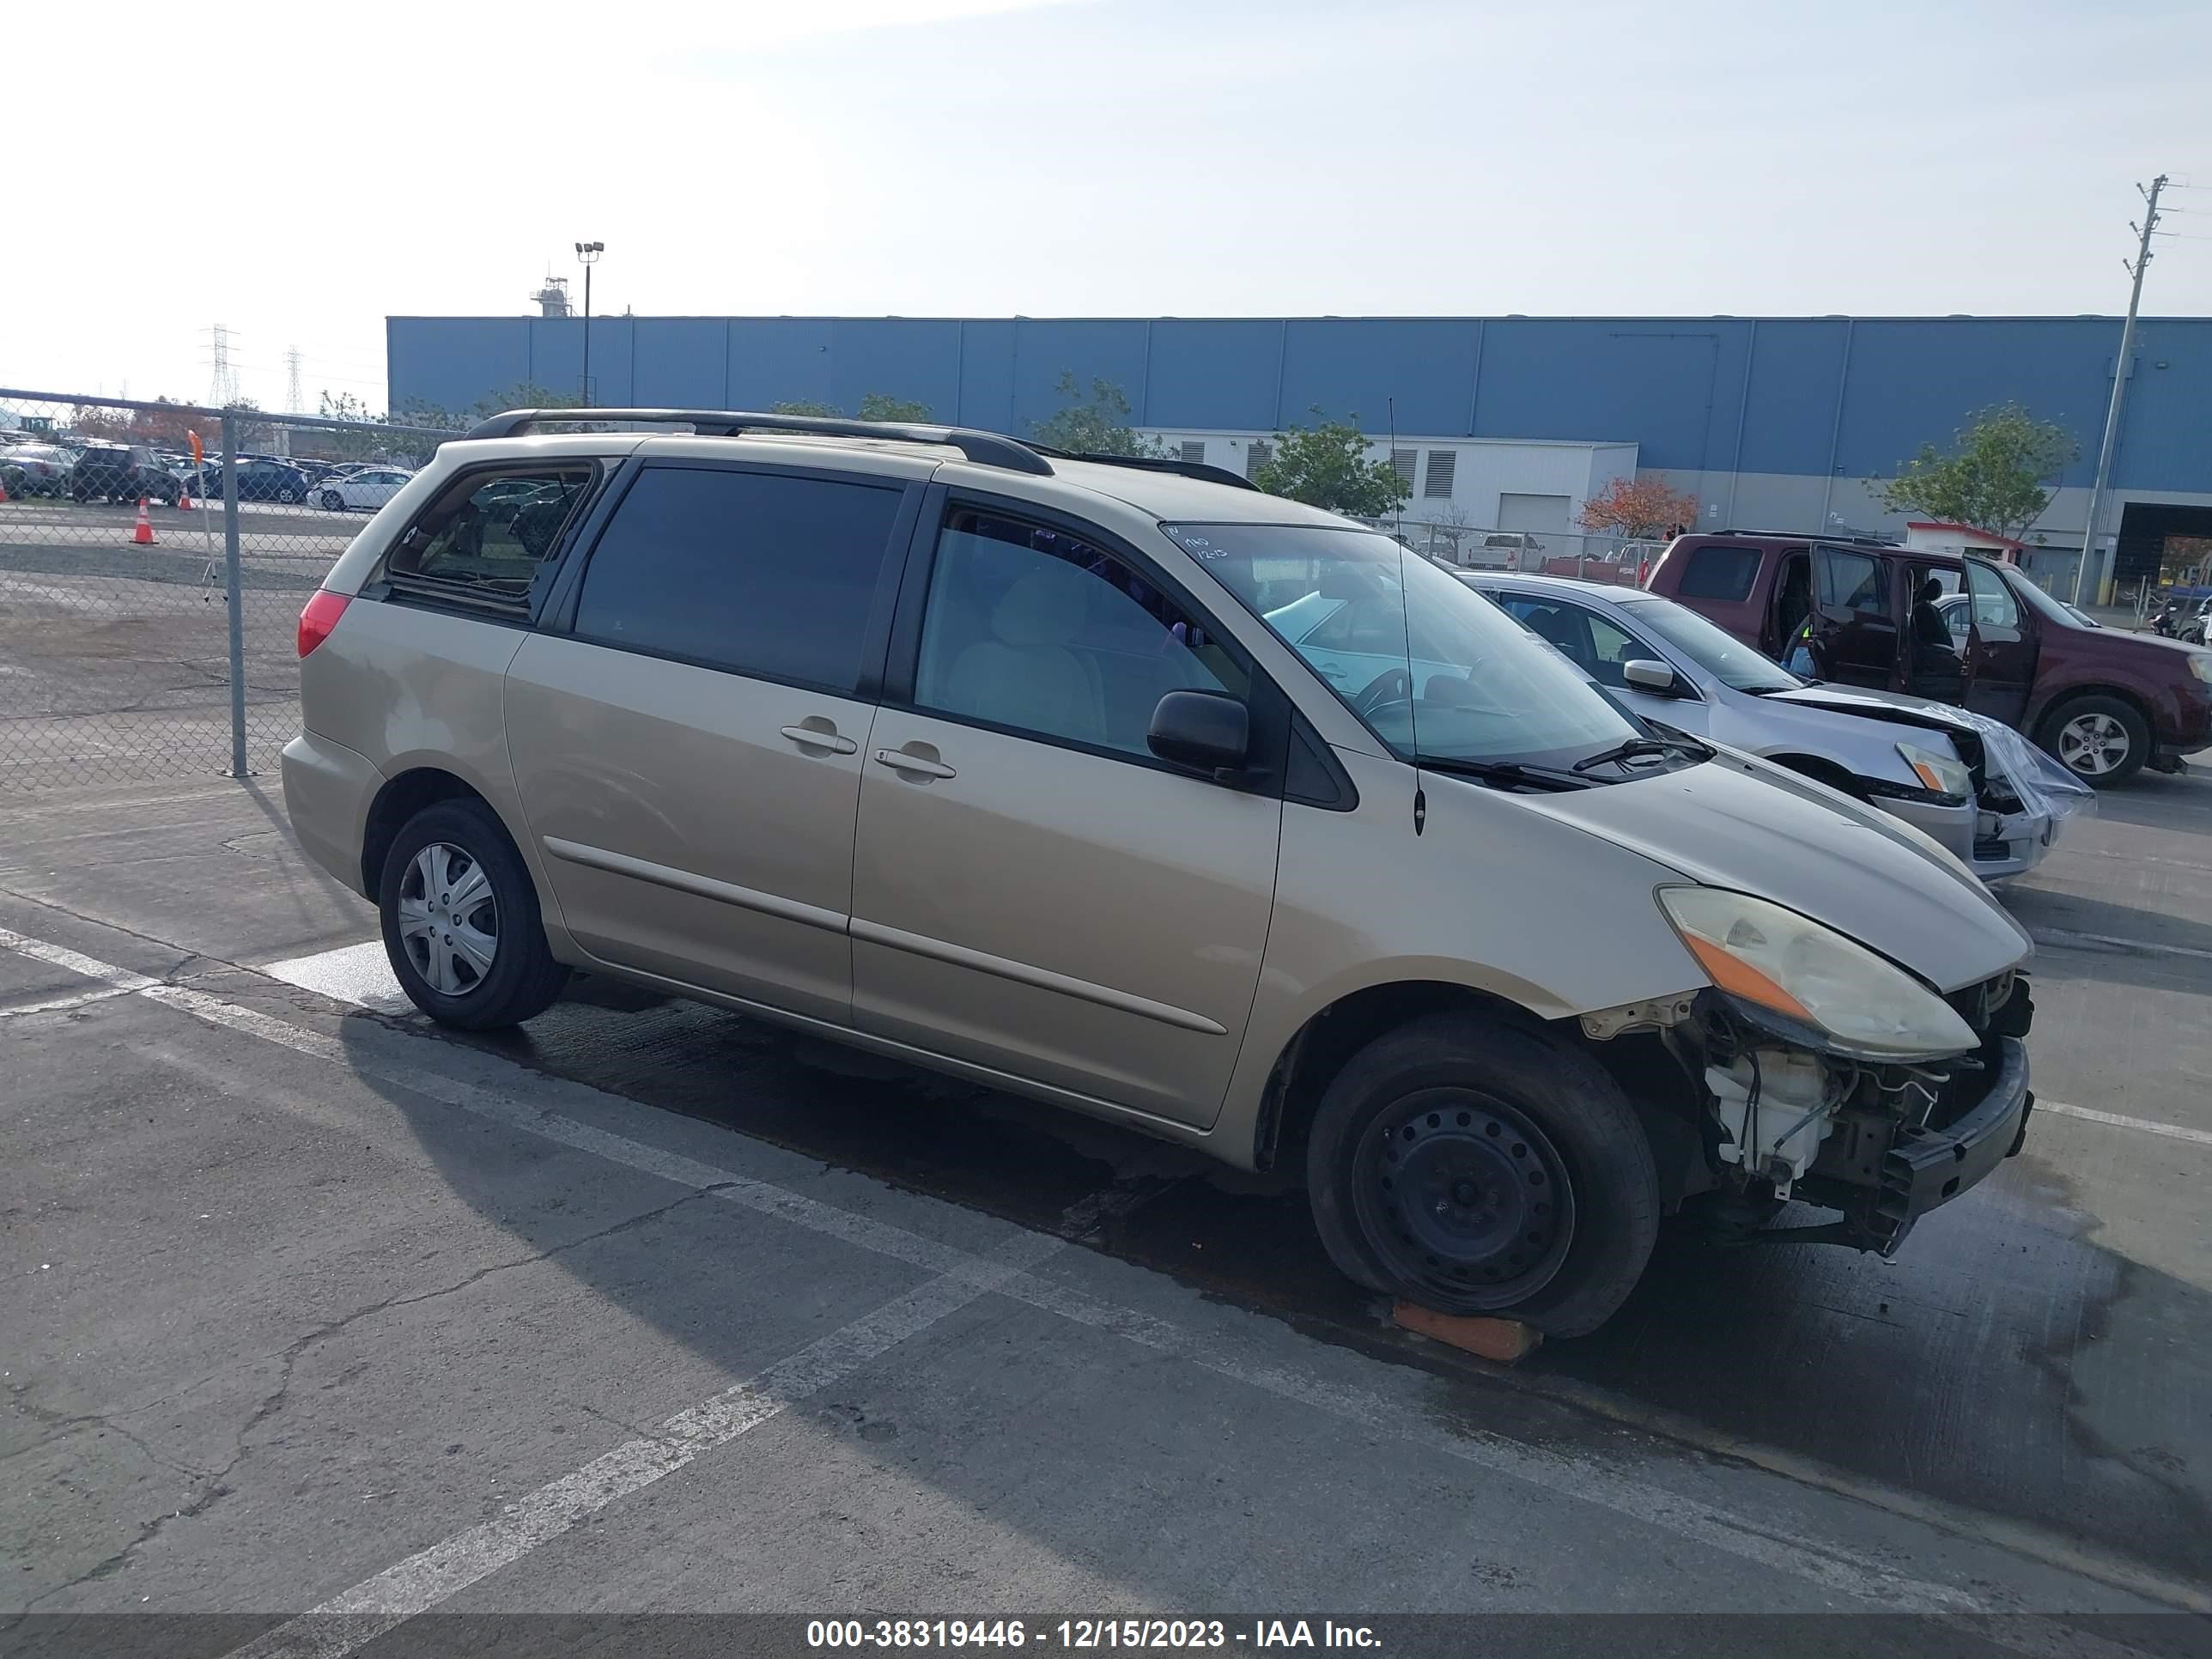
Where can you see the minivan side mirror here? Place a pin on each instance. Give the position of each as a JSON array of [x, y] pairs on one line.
[[1658, 677], [1208, 730]]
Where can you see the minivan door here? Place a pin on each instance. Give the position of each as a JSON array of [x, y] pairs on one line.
[[2000, 646], [1854, 631], [688, 751], [1033, 892]]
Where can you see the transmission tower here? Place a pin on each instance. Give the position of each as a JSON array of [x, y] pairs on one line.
[[292, 389], [223, 384]]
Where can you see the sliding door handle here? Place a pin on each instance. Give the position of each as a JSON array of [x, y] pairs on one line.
[[919, 766], [813, 737]]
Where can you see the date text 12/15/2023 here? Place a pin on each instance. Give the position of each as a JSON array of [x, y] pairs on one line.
[[1086, 1635]]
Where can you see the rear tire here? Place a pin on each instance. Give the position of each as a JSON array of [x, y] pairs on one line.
[[1477, 1166], [2100, 740], [460, 919]]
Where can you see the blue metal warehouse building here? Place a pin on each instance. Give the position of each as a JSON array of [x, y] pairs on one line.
[[1771, 421]]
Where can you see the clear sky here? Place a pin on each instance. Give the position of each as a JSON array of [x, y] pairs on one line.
[[298, 172]]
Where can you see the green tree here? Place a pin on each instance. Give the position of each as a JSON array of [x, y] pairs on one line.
[[1326, 465], [882, 407], [805, 406], [1993, 476], [1100, 427]]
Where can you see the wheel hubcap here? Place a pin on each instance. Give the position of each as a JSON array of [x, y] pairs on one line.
[[2093, 745], [448, 919], [1464, 1199]]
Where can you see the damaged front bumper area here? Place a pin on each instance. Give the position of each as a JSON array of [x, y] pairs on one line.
[[1883, 1144]]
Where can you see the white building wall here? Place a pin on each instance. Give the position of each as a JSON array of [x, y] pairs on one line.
[[1484, 469]]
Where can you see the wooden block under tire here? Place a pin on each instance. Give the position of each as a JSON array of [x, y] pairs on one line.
[[1505, 1341]]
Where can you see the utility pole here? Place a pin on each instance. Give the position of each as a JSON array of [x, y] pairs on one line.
[[2097, 485], [292, 378]]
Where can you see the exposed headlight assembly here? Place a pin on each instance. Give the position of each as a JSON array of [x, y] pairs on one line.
[[1942, 774], [1774, 960], [2200, 664]]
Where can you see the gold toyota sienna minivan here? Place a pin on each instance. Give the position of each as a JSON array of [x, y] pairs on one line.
[[1118, 784]]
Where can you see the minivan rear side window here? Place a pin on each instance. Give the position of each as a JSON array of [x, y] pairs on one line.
[[763, 574], [1719, 573], [488, 537]]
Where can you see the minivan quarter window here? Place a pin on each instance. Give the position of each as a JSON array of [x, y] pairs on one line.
[[490, 535], [1719, 573], [770, 574]]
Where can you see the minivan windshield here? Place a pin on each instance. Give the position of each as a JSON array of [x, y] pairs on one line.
[[1720, 653], [1448, 676]]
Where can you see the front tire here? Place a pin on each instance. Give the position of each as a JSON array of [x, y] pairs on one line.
[[461, 923], [2100, 740], [1477, 1166], [332, 501]]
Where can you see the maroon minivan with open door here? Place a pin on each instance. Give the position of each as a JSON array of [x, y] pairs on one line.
[[2105, 702]]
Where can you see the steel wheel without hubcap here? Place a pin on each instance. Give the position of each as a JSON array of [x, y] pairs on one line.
[[1464, 1195], [2093, 745], [449, 919]]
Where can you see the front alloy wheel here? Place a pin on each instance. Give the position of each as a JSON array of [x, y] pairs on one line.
[[2102, 740], [448, 919], [2093, 744]]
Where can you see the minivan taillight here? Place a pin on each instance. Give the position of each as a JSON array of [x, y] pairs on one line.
[[320, 617]]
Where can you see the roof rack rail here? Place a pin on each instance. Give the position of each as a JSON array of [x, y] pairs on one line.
[[984, 448], [1202, 470], [1810, 536]]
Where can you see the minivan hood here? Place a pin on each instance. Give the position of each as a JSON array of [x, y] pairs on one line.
[[1738, 822]]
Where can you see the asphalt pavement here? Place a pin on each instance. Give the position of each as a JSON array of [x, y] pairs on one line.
[[310, 1309]]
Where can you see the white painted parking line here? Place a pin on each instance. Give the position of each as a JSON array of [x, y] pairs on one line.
[[424, 1580], [62, 1005], [2064, 939], [75, 962], [1834, 1569], [2141, 1125], [359, 974]]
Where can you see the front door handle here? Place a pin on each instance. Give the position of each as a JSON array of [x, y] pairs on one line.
[[814, 738], [919, 766]]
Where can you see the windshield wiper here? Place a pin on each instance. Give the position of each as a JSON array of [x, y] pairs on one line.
[[1635, 747], [1533, 777]]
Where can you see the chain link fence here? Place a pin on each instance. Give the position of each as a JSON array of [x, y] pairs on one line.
[[154, 558]]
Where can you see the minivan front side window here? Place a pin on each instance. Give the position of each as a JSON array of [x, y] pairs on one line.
[[1035, 629], [1448, 676]]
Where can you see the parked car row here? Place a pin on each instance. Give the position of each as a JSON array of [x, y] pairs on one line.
[[1863, 613], [104, 472], [1150, 797]]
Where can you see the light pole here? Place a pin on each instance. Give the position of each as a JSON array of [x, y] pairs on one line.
[[588, 253]]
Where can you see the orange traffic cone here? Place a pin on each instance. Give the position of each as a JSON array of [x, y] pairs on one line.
[[183, 498], [3, 490], [142, 534]]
